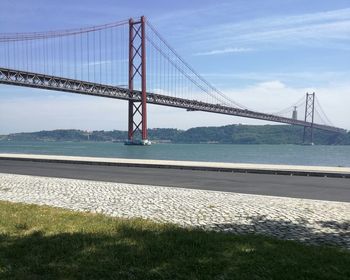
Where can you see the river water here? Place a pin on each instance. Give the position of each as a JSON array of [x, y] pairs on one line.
[[275, 154]]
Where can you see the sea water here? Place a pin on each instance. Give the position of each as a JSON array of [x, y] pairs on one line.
[[273, 154]]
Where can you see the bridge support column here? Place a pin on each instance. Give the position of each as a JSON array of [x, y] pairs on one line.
[[137, 127], [308, 136]]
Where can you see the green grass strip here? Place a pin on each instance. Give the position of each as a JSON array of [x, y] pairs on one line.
[[48, 243]]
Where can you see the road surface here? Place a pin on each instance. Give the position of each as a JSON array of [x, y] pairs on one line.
[[335, 189]]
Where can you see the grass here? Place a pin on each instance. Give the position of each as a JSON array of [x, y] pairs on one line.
[[48, 243]]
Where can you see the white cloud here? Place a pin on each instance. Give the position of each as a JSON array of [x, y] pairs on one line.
[[329, 29], [271, 85], [104, 62], [225, 51], [300, 79], [274, 96]]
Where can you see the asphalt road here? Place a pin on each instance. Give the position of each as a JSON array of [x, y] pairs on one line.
[[335, 189]]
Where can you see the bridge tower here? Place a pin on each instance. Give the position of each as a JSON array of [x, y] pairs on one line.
[[308, 136], [295, 113], [137, 124]]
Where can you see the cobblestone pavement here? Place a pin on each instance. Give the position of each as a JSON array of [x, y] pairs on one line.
[[306, 220]]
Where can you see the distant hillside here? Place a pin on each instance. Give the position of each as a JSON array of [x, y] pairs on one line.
[[259, 134], [230, 134]]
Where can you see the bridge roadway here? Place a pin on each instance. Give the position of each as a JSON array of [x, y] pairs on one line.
[[41, 81], [320, 188]]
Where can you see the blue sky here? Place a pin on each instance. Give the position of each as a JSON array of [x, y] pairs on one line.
[[263, 54]]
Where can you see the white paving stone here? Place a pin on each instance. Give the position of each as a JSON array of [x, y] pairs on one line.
[[310, 221]]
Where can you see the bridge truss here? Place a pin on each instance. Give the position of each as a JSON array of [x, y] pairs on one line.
[[35, 80]]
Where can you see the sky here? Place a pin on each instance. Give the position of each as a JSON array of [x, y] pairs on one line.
[[263, 54]]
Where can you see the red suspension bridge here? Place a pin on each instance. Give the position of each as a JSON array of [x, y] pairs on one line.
[[130, 60]]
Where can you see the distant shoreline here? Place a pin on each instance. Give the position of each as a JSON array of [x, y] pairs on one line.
[[230, 134], [160, 143]]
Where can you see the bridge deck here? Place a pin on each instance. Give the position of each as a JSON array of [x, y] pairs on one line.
[[41, 81]]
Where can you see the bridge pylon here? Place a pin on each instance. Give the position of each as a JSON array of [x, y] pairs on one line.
[[308, 135], [137, 124]]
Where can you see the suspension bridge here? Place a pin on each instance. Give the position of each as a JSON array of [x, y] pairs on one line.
[[130, 60]]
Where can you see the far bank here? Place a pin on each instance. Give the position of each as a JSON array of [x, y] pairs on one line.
[[229, 134]]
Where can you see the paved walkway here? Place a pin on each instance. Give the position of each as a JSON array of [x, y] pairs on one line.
[[306, 220]]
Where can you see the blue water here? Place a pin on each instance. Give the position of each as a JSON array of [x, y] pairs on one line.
[[275, 154]]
